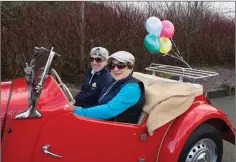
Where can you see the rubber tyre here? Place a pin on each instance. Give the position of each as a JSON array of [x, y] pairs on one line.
[[203, 131]]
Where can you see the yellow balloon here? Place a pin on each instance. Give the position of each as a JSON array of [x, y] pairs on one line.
[[165, 45]]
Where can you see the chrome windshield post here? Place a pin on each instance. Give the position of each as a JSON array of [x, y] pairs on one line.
[[32, 111]]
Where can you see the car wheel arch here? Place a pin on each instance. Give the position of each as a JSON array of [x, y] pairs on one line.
[[216, 120], [225, 131]]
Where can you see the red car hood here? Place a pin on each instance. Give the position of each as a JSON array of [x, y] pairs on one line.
[[18, 98], [52, 100]]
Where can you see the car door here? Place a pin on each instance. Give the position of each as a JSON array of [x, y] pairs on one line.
[[134, 144], [76, 139], [81, 139]]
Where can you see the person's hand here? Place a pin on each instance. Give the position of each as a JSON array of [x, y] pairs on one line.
[[77, 107], [76, 110]]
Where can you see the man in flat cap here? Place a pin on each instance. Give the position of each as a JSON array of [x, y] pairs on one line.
[[96, 79]]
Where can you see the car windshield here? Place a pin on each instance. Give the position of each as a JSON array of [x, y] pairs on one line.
[[39, 58]]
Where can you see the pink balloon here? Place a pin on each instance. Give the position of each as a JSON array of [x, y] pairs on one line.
[[168, 29]]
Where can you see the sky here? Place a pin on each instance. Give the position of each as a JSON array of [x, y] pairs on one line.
[[226, 7]]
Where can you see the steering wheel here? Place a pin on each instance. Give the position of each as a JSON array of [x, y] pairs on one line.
[[63, 87]]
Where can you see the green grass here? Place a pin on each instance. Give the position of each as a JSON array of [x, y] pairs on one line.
[[166, 75], [212, 69]]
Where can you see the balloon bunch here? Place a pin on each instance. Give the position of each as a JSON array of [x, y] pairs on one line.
[[160, 33]]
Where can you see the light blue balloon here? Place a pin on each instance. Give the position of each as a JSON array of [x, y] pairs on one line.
[[153, 26], [152, 43]]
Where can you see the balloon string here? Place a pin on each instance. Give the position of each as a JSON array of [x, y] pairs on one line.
[[179, 55], [176, 54], [175, 46], [173, 57], [181, 59]]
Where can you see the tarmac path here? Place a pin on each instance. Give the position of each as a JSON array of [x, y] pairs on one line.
[[227, 104]]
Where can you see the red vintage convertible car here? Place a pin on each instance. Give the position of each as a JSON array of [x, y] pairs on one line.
[[38, 125]]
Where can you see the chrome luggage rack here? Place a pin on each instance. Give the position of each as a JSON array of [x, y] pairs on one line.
[[180, 71]]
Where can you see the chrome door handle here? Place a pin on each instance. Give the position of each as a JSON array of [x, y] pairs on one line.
[[45, 150]]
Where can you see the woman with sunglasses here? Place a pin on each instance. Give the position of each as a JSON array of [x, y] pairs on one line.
[[96, 79], [124, 98]]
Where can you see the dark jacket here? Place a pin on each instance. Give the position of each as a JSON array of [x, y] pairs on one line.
[[132, 114], [92, 87]]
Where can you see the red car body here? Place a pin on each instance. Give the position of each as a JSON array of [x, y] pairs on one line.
[[86, 140]]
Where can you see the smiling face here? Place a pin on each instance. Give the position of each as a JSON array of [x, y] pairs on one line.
[[97, 63], [119, 70]]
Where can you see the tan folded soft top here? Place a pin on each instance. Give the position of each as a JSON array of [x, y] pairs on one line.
[[166, 99]]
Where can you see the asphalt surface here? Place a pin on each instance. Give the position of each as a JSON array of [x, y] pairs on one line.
[[227, 104]]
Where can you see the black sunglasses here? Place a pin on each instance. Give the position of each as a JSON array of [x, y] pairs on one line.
[[120, 65], [97, 59]]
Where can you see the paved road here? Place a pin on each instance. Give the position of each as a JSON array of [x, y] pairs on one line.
[[227, 104]]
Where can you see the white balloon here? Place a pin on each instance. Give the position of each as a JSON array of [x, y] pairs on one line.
[[154, 26]]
